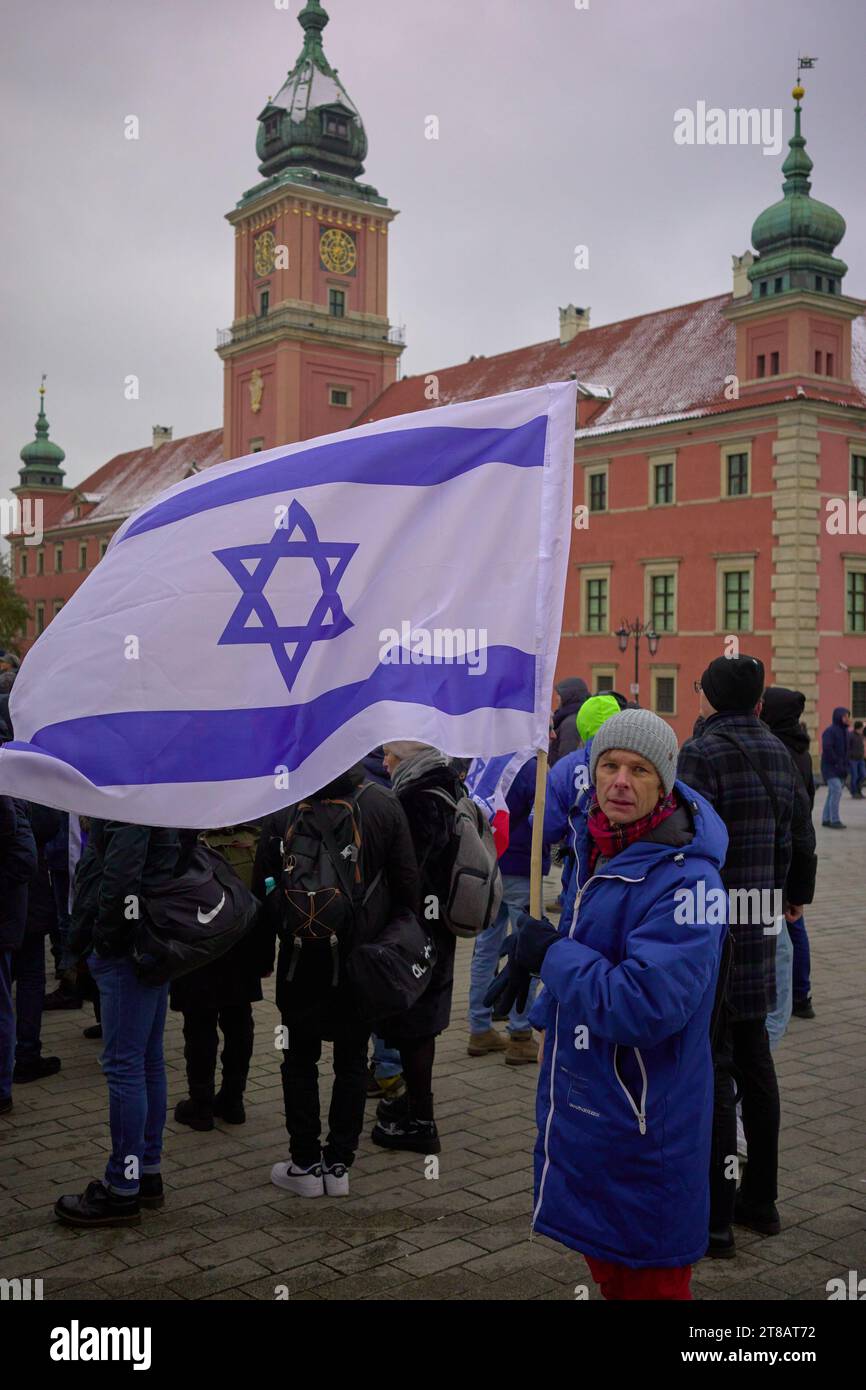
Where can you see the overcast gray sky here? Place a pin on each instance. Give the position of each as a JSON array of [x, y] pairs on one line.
[[556, 129]]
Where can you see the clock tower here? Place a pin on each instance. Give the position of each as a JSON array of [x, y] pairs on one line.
[[310, 346]]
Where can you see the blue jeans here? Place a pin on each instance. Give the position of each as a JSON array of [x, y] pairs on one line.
[[802, 960], [133, 1022], [386, 1060], [485, 959], [779, 1019], [7, 1024], [831, 805], [28, 968]]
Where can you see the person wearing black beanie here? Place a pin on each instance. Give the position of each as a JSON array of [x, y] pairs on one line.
[[748, 777]]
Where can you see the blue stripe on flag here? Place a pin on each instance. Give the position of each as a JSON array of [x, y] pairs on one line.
[[421, 457], [146, 747]]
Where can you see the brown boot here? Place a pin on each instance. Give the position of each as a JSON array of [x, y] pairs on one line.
[[482, 1043], [521, 1048]]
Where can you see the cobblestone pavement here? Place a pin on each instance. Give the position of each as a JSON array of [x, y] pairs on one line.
[[226, 1232]]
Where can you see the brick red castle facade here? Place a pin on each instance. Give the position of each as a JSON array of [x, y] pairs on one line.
[[708, 441]]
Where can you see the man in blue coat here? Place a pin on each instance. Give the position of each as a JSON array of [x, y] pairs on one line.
[[625, 1098], [834, 765]]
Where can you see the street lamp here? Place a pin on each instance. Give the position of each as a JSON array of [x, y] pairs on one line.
[[637, 629]]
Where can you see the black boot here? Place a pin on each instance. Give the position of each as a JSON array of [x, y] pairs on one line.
[[150, 1190], [198, 1114], [229, 1106], [762, 1217], [35, 1069], [98, 1206], [411, 1128]]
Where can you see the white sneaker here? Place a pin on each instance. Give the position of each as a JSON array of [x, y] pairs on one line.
[[304, 1182], [336, 1180]]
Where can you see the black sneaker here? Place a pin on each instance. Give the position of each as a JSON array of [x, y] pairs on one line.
[[721, 1245], [98, 1206], [415, 1136], [198, 1114], [804, 1009], [62, 998], [150, 1190], [35, 1069], [762, 1217], [229, 1108]]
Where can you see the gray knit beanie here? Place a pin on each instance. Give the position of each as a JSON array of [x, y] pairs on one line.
[[639, 731]]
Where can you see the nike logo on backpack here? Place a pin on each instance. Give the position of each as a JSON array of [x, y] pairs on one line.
[[205, 917]]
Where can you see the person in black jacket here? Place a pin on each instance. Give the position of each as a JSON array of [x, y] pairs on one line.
[[316, 1007], [570, 694], [126, 862], [748, 777], [417, 770], [17, 868], [782, 712], [221, 995], [29, 960]]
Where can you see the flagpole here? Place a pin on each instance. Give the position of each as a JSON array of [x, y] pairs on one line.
[[536, 853]]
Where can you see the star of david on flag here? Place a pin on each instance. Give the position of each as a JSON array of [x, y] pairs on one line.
[[255, 630], [254, 603]]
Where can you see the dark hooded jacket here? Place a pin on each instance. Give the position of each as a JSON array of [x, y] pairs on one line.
[[310, 1003], [132, 859], [834, 747], [572, 692], [41, 906], [17, 867], [783, 713]]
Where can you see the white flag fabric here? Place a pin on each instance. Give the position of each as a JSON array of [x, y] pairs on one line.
[[258, 628]]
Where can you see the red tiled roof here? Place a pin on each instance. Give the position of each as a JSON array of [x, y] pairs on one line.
[[660, 366], [130, 480]]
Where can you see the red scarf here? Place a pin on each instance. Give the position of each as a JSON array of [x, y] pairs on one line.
[[608, 839]]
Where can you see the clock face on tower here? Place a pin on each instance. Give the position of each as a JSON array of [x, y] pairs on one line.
[[263, 253], [338, 251]]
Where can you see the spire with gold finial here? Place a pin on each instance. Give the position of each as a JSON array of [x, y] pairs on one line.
[[42, 457]]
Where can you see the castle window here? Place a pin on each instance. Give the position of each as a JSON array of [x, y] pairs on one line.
[[339, 395], [818, 356], [23, 564], [58, 559], [264, 302], [663, 484], [763, 290], [334, 125], [736, 600], [272, 126], [819, 282], [858, 474], [856, 605], [831, 286], [777, 285], [762, 364], [256, 445], [103, 546], [774, 364], [829, 364], [40, 618], [337, 303], [40, 562], [596, 605], [737, 475], [82, 555], [598, 491]]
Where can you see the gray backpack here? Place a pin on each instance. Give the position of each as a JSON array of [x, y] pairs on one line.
[[475, 890]]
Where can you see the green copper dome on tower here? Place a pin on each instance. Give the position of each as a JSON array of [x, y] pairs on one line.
[[796, 237], [41, 458], [312, 123]]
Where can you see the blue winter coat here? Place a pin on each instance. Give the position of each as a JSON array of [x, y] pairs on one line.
[[563, 792], [834, 747], [625, 1094]]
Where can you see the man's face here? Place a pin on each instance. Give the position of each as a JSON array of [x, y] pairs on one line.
[[627, 786]]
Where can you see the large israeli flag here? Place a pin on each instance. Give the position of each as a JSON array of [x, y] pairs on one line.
[[258, 628]]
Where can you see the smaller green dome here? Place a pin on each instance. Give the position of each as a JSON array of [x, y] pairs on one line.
[[795, 238], [41, 453]]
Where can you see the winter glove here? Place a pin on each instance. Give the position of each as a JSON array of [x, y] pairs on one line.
[[534, 936], [511, 985]]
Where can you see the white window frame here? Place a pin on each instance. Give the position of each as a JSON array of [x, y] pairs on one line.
[[664, 673], [655, 461], [593, 572], [656, 569], [743, 447], [730, 564]]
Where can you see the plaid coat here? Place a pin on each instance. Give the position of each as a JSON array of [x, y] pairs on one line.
[[762, 853]]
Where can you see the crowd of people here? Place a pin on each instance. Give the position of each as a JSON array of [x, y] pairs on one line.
[[652, 1020]]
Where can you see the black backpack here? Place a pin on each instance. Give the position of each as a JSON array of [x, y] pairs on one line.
[[325, 898], [192, 919]]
